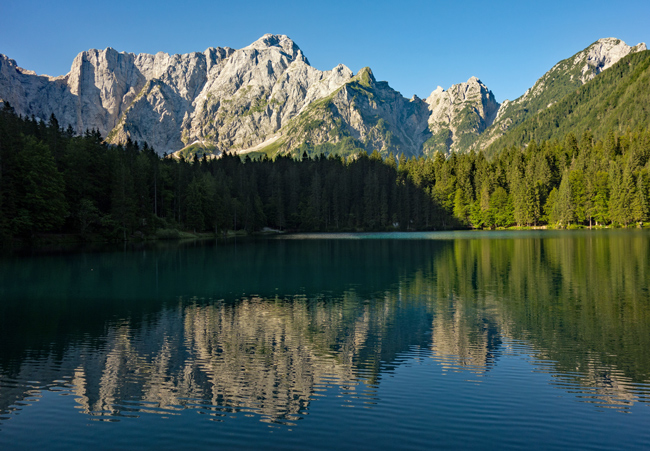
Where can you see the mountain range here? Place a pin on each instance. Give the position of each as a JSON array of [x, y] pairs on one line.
[[267, 99]]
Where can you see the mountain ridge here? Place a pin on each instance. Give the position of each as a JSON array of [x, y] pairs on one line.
[[563, 78], [267, 98], [611, 103]]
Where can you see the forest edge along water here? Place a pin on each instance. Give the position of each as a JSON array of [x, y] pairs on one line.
[[58, 186]]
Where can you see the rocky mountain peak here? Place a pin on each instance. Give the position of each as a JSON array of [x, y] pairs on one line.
[[273, 40], [457, 92], [237, 100], [458, 95], [583, 66], [342, 69], [460, 114], [278, 42], [365, 78], [603, 54]]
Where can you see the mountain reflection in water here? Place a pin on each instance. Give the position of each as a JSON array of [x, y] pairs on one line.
[[265, 327]]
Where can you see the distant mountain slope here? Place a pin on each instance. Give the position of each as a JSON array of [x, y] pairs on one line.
[[563, 78], [464, 117], [617, 99], [361, 114], [266, 98], [232, 98]]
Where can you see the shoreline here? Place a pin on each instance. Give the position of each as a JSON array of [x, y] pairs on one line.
[[172, 235]]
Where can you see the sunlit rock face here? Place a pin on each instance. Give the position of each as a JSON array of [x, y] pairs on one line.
[[365, 110], [236, 100], [267, 93], [602, 55], [230, 98], [460, 114]]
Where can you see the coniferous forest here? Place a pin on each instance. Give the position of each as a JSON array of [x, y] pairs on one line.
[[53, 181]]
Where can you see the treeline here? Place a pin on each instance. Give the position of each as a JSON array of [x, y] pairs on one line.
[[54, 181], [557, 183]]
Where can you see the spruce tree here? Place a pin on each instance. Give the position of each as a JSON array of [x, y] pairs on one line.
[[41, 203]]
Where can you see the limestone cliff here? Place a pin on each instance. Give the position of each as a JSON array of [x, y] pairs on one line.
[[232, 99], [363, 113], [267, 98], [459, 115]]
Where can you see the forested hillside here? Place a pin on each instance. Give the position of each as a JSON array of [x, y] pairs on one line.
[[54, 181], [616, 100]]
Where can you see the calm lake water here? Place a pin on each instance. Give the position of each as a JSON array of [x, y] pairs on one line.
[[436, 340]]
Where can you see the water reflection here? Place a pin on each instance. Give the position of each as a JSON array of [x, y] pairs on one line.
[[266, 328], [267, 356]]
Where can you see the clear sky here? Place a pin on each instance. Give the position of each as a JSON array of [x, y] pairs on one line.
[[414, 45]]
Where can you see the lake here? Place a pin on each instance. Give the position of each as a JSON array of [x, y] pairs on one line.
[[473, 340]]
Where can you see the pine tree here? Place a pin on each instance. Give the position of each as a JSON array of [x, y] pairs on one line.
[[461, 208], [564, 210], [41, 203], [601, 198], [640, 207], [501, 210], [578, 194], [194, 204], [550, 208], [122, 202]]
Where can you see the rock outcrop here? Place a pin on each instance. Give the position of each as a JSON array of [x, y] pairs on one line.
[[459, 115], [365, 112]]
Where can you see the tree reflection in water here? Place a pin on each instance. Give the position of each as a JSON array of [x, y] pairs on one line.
[[265, 327]]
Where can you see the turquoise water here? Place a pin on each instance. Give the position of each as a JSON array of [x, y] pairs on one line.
[[485, 340]]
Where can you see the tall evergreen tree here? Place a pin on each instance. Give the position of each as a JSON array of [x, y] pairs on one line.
[[41, 203], [564, 209]]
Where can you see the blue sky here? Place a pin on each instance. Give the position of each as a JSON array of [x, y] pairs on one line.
[[414, 45]]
